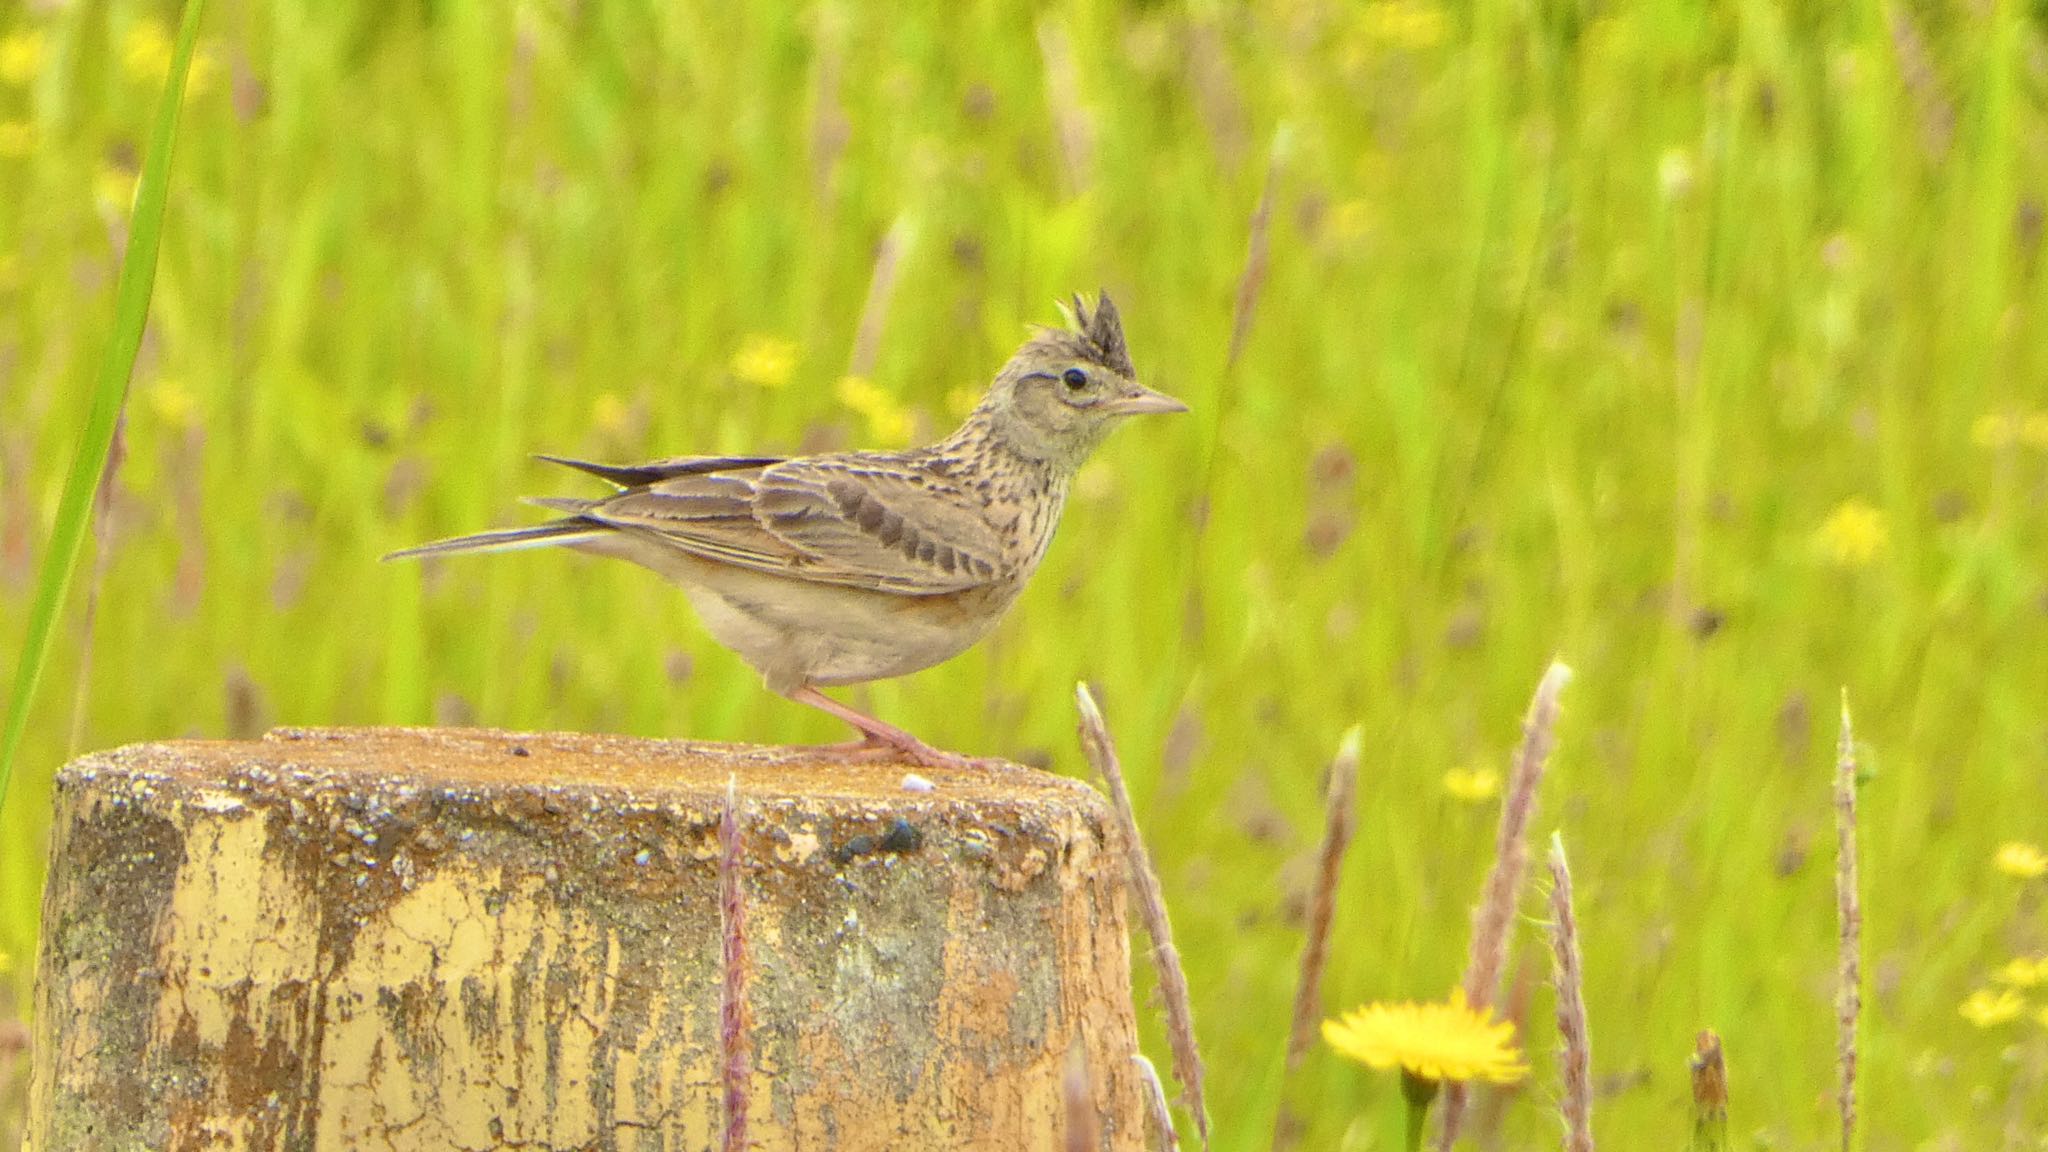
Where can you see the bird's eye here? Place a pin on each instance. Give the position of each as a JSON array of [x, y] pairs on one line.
[[1075, 379]]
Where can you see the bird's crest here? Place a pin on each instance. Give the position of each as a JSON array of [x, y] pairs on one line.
[[1101, 332]]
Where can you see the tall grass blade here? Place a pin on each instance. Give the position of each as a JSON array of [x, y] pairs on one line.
[[131, 313]]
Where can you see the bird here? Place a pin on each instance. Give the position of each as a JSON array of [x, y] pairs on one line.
[[846, 567]]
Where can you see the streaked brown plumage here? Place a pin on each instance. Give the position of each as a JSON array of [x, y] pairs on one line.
[[856, 566]]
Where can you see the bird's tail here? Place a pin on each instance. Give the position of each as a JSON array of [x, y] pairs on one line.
[[508, 539]]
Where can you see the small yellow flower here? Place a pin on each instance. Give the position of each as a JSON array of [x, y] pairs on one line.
[[17, 138], [1472, 785], [21, 54], [146, 57], [2034, 431], [114, 188], [1446, 1041], [1990, 1007], [1351, 221], [1994, 430], [1675, 173], [765, 361], [146, 54], [172, 402], [199, 79], [1408, 24], [1853, 535], [887, 420], [2021, 972], [2021, 860], [610, 415]]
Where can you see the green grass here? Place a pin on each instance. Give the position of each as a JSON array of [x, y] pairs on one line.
[[1577, 328]]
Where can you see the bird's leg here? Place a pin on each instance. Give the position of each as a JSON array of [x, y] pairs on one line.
[[878, 736]]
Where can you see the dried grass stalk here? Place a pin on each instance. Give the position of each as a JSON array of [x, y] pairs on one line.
[[1496, 910], [1155, 1104], [732, 1015], [1338, 825], [1072, 123], [1709, 1095], [1144, 880], [874, 313], [1575, 1062], [1256, 246], [1849, 927]]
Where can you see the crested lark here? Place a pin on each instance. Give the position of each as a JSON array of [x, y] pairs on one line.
[[855, 566]]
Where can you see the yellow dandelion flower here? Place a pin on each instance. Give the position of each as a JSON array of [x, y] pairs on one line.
[[17, 138], [765, 361], [146, 53], [2021, 860], [1472, 785], [1990, 1007], [2034, 431], [1994, 430], [172, 402], [2021, 972], [1447, 1041], [1853, 536], [114, 188], [21, 54]]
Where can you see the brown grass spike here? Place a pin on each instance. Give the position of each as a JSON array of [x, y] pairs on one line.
[[1337, 828], [1849, 927], [1254, 275], [1709, 1095], [1173, 982], [1575, 1061], [732, 1016], [1496, 910]]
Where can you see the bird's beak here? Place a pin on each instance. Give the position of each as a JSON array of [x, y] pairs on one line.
[[1142, 401]]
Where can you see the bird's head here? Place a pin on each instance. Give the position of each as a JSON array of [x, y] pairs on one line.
[[1063, 391]]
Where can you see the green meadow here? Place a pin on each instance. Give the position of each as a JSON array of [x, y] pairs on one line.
[[1696, 345]]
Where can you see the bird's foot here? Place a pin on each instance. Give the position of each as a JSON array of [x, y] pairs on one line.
[[906, 748]]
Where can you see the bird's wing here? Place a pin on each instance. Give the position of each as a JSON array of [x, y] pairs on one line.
[[837, 522], [655, 471]]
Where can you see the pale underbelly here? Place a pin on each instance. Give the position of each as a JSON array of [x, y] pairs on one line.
[[797, 633]]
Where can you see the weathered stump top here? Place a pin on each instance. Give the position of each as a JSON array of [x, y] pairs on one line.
[[393, 938], [478, 760]]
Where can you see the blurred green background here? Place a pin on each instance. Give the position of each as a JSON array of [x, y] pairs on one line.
[[1697, 344]]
